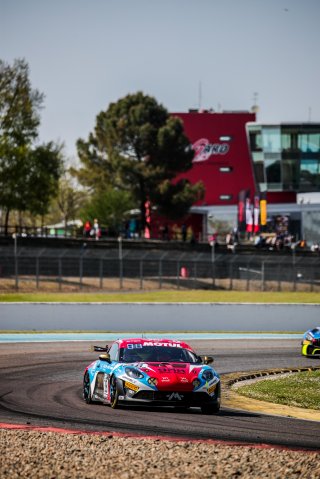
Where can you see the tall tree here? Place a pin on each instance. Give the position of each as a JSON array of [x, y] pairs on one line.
[[137, 146], [45, 165], [27, 174]]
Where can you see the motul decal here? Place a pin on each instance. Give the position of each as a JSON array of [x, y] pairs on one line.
[[170, 345]]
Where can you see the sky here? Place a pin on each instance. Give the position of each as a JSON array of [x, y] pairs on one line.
[[219, 54]]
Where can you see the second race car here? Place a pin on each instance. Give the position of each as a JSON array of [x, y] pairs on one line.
[[152, 372], [310, 345]]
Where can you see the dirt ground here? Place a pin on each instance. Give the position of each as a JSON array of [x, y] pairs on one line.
[[30, 284]]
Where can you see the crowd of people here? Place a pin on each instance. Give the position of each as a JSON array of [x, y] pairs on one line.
[[92, 230]]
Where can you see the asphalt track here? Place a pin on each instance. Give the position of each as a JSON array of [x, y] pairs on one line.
[[41, 385]]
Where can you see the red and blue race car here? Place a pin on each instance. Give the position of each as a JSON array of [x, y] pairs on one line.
[[159, 372]]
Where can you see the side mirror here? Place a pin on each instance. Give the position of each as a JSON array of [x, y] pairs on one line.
[[207, 359], [105, 357]]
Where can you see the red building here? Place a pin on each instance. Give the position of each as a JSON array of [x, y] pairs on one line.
[[233, 155], [222, 157]]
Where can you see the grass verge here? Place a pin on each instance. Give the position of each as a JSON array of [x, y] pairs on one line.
[[192, 296], [297, 389]]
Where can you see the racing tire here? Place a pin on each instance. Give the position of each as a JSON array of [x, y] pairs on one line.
[[86, 389], [114, 393], [212, 408]]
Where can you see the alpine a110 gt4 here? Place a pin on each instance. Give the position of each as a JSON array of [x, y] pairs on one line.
[[310, 345], [152, 372]]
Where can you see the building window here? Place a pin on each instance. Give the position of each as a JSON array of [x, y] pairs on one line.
[[290, 174], [309, 143], [273, 171], [309, 174], [255, 139], [271, 139], [259, 172], [225, 169], [225, 197]]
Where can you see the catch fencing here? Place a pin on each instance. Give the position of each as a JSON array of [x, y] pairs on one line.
[[90, 270]]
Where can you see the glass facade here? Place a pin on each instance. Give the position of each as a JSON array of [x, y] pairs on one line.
[[286, 157]]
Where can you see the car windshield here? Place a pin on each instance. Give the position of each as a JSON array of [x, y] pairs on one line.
[[161, 354]]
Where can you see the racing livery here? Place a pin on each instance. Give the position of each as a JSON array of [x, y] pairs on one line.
[[310, 345], [161, 372]]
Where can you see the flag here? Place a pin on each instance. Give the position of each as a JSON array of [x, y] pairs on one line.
[[256, 213], [249, 216], [241, 210], [263, 208]]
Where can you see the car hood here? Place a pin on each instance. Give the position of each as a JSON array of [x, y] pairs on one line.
[[169, 375]]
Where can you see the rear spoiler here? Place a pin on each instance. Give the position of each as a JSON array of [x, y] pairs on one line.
[[100, 349]]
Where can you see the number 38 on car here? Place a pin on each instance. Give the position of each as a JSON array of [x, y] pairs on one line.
[[152, 372]]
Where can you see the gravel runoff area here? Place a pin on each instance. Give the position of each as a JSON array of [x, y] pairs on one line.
[[36, 454]]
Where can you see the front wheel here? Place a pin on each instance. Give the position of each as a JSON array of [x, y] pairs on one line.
[[114, 393], [86, 389], [213, 408]]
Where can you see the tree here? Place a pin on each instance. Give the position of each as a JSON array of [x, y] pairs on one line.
[[137, 146], [28, 174], [69, 200], [111, 206], [42, 180]]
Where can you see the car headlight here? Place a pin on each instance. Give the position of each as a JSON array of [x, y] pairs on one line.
[[207, 375], [196, 383], [134, 373]]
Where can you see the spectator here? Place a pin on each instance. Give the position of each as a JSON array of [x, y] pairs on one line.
[[87, 229], [97, 231]]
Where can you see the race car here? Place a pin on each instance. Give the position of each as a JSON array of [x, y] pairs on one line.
[[159, 372], [310, 345]]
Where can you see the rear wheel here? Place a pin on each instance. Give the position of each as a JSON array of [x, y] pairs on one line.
[[114, 393], [86, 389]]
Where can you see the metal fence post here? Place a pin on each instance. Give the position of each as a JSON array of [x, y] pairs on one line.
[[120, 262], [160, 269], [16, 273], [262, 276], [60, 273], [231, 275], [160, 273], [141, 273], [80, 271], [101, 272], [37, 272], [248, 277], [194, 274]]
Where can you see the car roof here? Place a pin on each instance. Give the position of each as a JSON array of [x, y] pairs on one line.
[[171, 343]]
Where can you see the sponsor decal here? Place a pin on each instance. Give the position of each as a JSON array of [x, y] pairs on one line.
[[175, 397], [129, 385], [172, 370], [170, 345], [203, 149], [165, 379], [184, 380], [212, 388]]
